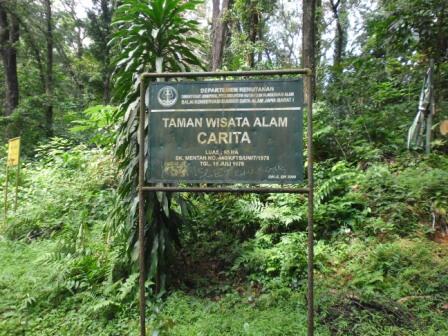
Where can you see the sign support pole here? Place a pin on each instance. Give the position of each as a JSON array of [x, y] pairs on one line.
[[17, 185], [310, 284], [141, 210], [6, 197]]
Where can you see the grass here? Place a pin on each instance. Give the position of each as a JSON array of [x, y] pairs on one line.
[[21, 282], [30, 305], [269, 314]]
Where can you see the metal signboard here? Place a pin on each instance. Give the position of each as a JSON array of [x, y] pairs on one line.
[[13, 152], [226, 131]]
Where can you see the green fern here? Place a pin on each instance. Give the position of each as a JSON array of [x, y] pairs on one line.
[[128, 287], [341, 175]]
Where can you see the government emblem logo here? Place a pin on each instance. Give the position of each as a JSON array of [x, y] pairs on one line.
[[167, 96]]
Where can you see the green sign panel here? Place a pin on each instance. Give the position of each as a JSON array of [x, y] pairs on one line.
[[226, 131]]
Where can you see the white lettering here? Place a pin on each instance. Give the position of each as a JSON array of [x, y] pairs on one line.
[[225, 122], [201, 138], [271, 122], [217, 138], [182, 122]]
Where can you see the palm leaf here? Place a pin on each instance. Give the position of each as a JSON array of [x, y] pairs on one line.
[[146, 30]]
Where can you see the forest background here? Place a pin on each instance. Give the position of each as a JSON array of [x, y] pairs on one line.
[[222, 264]]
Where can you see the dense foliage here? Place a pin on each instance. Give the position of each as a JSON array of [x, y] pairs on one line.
[[243, 261], [224, 264]]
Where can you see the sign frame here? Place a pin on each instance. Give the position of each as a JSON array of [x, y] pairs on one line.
[[144, 188], [217, 168]]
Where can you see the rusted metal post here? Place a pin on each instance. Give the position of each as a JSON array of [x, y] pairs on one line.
[[17, 185], [5, 221], [141, 211], [310, 229], [159, 69]]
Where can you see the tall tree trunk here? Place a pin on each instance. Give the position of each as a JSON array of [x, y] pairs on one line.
[[30, 39], [49, 69], [308, 40], [318, 43], [442, 51], [219, 30], [340, 33], [9, 37], [70, 7], [216, 9], [260, 38], [107, 7], [106, 87], [253, 34]]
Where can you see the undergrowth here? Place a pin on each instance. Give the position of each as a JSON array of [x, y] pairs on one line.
[[241, 268]]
